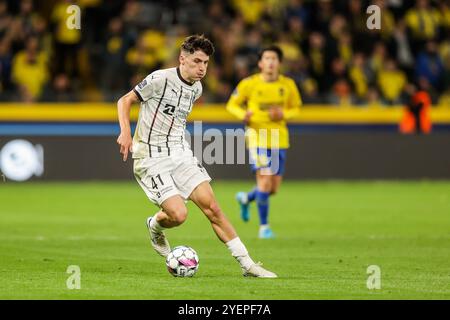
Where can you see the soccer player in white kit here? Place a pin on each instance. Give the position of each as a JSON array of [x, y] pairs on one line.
[[164, 164]]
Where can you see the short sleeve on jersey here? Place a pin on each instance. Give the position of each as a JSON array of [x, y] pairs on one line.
[[147, 87]]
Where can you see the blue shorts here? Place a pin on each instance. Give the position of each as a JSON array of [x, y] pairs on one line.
[[273, 159]]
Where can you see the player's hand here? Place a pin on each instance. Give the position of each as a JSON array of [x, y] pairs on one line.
[[126, 143], [248, 115], [276, 114]]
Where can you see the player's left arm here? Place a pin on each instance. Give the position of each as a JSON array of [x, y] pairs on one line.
[[292, 108]]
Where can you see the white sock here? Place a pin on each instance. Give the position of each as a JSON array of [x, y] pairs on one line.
[[240, 253], [155, 226]]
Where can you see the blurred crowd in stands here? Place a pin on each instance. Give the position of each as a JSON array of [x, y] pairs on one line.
[[329, 51]]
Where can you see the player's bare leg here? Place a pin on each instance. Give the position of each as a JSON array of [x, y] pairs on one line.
[[203, 197], [173, 213], [276, 183], [264, 181]]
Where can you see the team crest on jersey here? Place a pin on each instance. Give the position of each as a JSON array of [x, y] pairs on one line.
[[142, 84], [281, 91]]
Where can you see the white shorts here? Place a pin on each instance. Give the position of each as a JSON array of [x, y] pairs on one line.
[[163, 177]]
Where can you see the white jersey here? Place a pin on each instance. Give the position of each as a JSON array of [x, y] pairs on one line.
[[166, 101]]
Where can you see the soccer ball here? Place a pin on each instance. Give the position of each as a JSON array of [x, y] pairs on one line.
[[182, 261]]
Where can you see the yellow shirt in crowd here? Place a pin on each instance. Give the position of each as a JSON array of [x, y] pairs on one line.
[[424, 23], [64, 34], [33, 76], [391, 83]]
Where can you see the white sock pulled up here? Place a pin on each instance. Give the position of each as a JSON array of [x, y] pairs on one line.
[[155, 226], [240, 253]]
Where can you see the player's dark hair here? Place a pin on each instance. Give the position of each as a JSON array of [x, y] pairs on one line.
[[272, 48], [198, 42]]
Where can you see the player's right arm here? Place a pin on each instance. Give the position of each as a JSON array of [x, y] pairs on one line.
[[237, 101], [125, 141], [142, 92]]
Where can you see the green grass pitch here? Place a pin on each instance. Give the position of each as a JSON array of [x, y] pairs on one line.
[[328, 234]]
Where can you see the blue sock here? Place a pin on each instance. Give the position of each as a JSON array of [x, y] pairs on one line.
[[262, 199], [251, 196]]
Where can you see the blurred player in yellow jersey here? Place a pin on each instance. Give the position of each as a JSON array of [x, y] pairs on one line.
[[265, 101]]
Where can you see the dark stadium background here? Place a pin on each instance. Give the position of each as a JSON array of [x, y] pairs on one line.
[[367, 171], [356, 82]]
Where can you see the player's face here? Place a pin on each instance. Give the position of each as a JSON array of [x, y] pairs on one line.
[[269, 63], [195, 64]]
